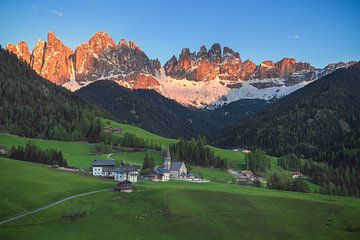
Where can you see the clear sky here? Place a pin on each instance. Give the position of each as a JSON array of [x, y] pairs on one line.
[[315, 31]]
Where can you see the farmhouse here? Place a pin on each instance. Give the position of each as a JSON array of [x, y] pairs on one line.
[[2, 149], [124, 186], [160, 175], [297, 175], [176, 169], [103, 168], [126, 173]]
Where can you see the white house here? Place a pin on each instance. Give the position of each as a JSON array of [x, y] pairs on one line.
[[160, 175], [176, 169], [103, 168], [129, 173], [2, 149]]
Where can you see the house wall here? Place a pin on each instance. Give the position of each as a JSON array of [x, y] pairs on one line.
[[174, 174], [131, 176], [103, 171], [183, 169], [97, 171]]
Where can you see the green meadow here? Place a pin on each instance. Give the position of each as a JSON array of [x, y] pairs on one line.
[[172, 210], [81, 154]]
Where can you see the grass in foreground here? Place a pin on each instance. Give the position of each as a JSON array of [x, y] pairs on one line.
[[25, 186], [174, 210]]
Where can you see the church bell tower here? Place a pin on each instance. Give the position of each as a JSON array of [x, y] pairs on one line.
[[167, 160]]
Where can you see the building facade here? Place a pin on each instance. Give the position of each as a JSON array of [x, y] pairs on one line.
[[103, 168], [176, 169], [126, 173]]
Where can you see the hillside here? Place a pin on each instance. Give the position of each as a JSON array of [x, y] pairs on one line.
[[34, 107], [150, 110], [321, 121], [165, 210]]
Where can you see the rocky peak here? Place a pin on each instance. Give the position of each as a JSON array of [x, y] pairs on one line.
[[37, 56], [202, 52], [100, 41], [21, 51], [170, 65], [185, 59], [57, 65], [228, 52], [247, 70], [215, 52], [133, 45], [123, 43]]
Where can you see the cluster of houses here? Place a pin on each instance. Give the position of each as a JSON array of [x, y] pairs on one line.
[[126, 175], [246, 177]]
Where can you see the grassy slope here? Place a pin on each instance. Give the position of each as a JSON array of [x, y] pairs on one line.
[[24, 186], [232, 156], [174, 210]]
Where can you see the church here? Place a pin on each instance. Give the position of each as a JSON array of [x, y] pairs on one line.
[[176, 169]]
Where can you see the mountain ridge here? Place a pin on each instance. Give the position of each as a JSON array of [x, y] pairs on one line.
[[203, 79]]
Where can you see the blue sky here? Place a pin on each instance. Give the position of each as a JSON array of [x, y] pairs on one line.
[[315, 31]]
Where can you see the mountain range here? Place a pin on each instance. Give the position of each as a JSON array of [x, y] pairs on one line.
[[320, 121], [202, 79]]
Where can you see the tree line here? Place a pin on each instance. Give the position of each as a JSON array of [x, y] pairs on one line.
[[294, 185], [32, 106], [257, 161], [128, 140], [196, 152], [33, 153]]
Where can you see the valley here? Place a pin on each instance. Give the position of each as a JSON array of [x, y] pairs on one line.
[[185, 120]]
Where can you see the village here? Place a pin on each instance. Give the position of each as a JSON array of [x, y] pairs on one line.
[[129, 174]]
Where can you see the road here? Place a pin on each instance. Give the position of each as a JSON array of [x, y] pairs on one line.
[[50, 205]]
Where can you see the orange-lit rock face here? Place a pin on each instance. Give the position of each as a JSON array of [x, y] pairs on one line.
[[230, 66], [285, 66], [37, 57], [21, 51], [142, 81], [205, 65], [57, 64], [247, 70]]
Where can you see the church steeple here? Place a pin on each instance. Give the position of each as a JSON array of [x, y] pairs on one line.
[[167, 160]]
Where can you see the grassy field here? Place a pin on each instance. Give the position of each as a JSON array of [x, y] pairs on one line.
[[213, 174], [176, 210], [81, 154], [24, 186], [78, 154], [233, 157]]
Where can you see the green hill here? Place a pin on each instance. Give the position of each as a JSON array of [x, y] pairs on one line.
[[34, 107], [170, 210]]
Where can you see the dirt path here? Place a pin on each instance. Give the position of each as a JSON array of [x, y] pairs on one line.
[[51, 205]]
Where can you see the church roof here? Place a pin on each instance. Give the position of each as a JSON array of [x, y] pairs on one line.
[[175, 166]]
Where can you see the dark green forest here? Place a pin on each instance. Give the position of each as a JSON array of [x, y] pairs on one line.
[[33, 153], [151, 111], [196, 152], [32, 106], [320, 122]]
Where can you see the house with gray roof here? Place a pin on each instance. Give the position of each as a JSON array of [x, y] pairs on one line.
[[103, 168], [176, 169], [126, 173]]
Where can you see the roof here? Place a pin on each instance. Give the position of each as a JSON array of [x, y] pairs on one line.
[[161, 171], [123, 169], [175, 166], [124, 182], [103, 163]]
